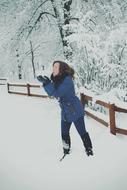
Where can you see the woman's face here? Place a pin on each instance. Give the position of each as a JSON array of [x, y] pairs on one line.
[[56, 69]]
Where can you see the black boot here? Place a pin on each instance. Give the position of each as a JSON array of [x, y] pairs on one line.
[[87, 144], [66, 144]]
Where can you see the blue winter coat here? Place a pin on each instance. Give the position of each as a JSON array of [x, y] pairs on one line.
[[71, 107]]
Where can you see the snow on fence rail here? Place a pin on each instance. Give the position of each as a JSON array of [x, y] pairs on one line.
[[3, 81], [25, 87], [112, 109]]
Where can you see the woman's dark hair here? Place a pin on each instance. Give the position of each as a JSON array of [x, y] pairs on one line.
[[65, 69]]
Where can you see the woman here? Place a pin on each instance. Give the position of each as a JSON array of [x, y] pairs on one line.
[[61, 86]]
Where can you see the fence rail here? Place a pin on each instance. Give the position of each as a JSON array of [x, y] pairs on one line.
[[28, 89], [3, 81], [112, 109], [84, 99]]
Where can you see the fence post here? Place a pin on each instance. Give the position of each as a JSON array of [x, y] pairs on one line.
[[82, 98], [112, 119], [28, 89], [8, 87]]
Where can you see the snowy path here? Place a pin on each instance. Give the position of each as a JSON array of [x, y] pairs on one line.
[[30, 148]]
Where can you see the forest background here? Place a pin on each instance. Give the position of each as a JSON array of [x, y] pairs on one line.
[[91, 35]]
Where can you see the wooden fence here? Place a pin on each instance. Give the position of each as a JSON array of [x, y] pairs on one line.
[[84, 98], [3, 81], [28, 89], [112, 109]]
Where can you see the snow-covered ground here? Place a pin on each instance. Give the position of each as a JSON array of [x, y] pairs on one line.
[[30, 149]]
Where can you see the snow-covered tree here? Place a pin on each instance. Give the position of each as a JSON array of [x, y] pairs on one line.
[[90, 34]]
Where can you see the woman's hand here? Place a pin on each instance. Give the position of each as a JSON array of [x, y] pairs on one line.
[[45, 80]]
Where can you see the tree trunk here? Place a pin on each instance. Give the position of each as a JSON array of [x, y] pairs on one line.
[[32, 58], [64, 32], [67, 47]]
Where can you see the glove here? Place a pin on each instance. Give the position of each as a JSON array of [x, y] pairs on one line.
[[40, 78], [45, 80]]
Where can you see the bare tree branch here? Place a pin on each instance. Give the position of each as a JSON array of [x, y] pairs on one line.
[[92, 21], [121, 54], [24, 28], [34, 49], [76, 19], [37, 10], [38, 19]]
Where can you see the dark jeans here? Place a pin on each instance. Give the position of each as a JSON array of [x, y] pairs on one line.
[[79, 124]]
